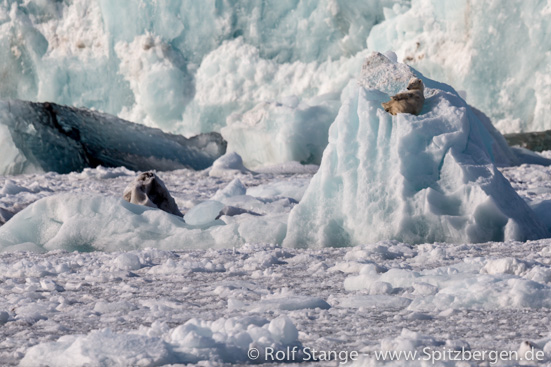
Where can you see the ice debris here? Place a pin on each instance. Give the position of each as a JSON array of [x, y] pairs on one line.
[[225, 340], [229, 164]]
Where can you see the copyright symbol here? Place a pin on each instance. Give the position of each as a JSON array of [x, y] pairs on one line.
[[253, 353]]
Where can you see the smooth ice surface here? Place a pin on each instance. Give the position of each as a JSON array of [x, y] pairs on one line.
[[418, 179], [77, 222], [40, 137], [203, 213], [497, 51], [66, 214]]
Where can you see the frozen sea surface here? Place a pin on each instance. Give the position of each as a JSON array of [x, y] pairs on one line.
[[155, 307]]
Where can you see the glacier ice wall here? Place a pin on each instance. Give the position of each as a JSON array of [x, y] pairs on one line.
[[39, 137], [200, 66], [499, 52], [411, 178], [166, 63]]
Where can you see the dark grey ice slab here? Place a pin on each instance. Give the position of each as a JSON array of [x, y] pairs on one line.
[[66, 139]]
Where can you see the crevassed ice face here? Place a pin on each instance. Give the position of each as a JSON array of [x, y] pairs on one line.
[[414, 84]]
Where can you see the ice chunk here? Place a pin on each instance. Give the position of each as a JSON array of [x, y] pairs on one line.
[[84, 222], [506, 265], [204, 213], [127, 261], [149, 190], [287, 302], [65, 139], [234, 188], [219, 341], [100, 347], [283, 330], [170, 266], [381, 73], [50, 285], [229, 164], [416, 179]]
